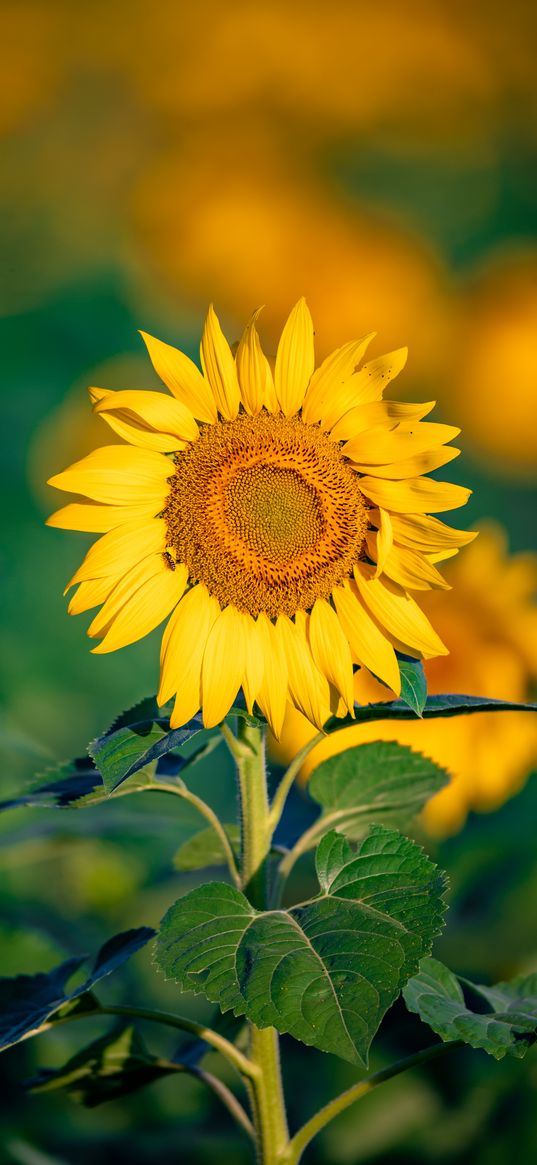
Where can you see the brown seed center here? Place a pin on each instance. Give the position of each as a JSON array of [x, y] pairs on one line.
[[266, 512]]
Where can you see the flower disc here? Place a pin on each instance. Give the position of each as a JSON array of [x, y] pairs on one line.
[[266, 512]]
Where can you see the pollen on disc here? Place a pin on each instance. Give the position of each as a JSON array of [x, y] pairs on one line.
[[266, 512]]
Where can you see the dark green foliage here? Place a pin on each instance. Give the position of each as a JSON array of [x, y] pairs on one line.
[[502, 1020], [107, 1069], [435, 706], [27, 1001]]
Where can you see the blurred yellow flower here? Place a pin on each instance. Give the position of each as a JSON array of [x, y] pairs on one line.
[[489, 624], [422, 68], [228, 219], [496, 362], [33, 62]]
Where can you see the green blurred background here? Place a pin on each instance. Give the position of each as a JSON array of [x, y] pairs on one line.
[[381, 160]]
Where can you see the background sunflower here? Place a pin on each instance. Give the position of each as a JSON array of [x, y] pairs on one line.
[[381, 161]]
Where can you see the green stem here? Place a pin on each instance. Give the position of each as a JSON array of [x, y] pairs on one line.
[[221, 1090], [304, 843], [282, 792], [216, 1041], [210, 817], [266, 1092], [295, 1149]]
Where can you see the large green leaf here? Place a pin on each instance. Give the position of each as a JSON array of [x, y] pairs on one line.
[[27, 1001], [435, 706], [327, 970], [111, 1067], [503, 1022], [382, 781]]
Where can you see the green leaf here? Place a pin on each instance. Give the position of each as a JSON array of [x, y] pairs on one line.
[[435, 706], [73, 785], [325, 971], [413, 684], [240, 712], [205, 849], [123, 751], [504, 1024], [382, 781], [144, 710], [111, 1067], [27, 1001]]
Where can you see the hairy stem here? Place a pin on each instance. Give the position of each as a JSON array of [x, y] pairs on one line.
[[266, 1092], [295, 1149]]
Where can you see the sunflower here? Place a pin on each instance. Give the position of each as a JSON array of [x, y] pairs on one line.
[[489, 623], [279, 519]]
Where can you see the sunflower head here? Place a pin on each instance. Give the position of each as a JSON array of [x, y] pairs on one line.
[[280, 518]]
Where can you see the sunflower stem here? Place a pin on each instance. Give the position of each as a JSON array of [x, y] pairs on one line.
[[265, 1089], [285, 785], [293, 1154]]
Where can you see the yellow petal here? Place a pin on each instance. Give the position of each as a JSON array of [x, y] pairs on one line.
[[398, 613], [414, 496], [129, 582], [368, 644], [412, 466], [183, 645], [181, 376], [121, 548], [442, 555], [410, 569], [219, 367], [223, 666], [387, 443], [295, 359], [380, 412], [253, 368], [91, 594], [148, 419], [98, 519], [272, 695], [145, 609], [118, 474], [134, 434], [331, 651], [254, 669], [365, 386], [331, 374], [308, 689], [97, 394], [384, 539], [422, 532]]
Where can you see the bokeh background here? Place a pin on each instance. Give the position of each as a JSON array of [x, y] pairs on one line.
[[382, 160]]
